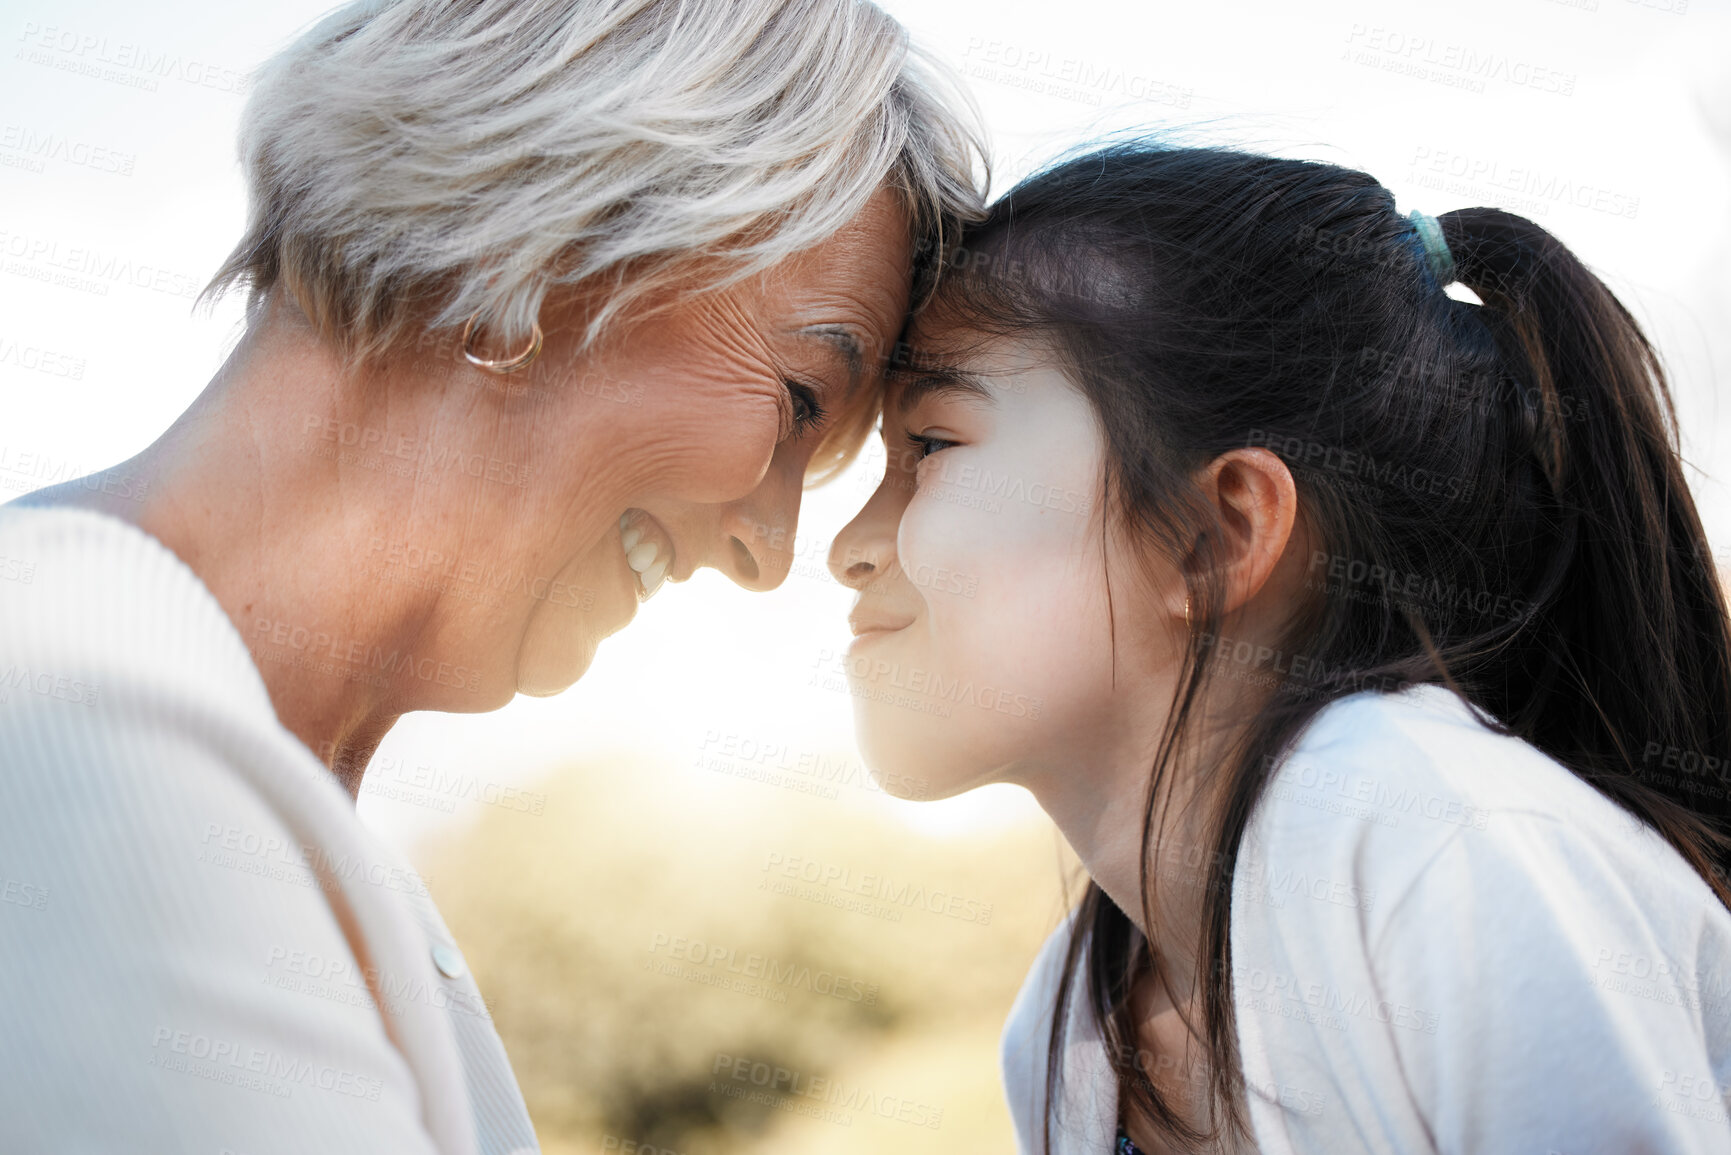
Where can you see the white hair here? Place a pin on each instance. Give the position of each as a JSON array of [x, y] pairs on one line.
[[414, 162]]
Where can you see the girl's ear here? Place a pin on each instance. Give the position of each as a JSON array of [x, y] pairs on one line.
[[1255, 506]]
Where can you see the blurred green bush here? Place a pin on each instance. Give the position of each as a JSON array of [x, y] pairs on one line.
[[709, 966]]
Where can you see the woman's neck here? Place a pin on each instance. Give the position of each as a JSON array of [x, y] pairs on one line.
[[275, 536]]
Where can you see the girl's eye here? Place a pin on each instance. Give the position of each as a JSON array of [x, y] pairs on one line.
[[808, 412], [924, 446]]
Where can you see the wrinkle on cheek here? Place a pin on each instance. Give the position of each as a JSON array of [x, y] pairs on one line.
[[705, 457]]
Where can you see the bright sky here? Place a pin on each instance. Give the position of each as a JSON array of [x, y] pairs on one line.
[[1625, 104]]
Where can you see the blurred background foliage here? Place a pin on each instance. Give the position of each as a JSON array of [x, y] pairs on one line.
[[570, 919]]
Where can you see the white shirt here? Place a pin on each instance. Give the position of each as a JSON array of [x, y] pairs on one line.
[[1442, 941], [201, 946]]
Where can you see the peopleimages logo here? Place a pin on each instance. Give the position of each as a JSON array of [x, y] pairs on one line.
[[62, 687], [1318, 457], [1453, 65], [1443, 169], [271, 855], [123, 62], [881, 887], [928, 685], [443, 571], [343, 980], [1074, 78], [369, 447], [1275, 992], [352, 655], [773, 972], [1341, 576], [256, 1068], [776, 1080], [40, 360], [17, 892], [1308, 783], [30, 469], [977, 487], [90, 270], [39, 147], [813, 771]]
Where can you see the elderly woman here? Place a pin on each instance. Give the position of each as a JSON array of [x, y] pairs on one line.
[[550, 301]]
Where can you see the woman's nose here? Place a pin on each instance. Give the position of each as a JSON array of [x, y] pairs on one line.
[[756, 532]]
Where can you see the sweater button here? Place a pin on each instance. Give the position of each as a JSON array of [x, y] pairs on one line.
[[449, 960]]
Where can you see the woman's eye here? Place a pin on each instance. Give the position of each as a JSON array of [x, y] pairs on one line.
[[924, 446], [807, 410]]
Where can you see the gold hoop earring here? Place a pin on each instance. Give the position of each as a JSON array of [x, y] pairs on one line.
[[1188, 624], [509, 364]]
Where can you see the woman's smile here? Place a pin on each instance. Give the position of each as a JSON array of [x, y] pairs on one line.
[[648, 549]]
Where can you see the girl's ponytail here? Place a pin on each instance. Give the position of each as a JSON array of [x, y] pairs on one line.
[[1622, 669]]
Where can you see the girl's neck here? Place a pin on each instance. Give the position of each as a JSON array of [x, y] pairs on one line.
[[1101, 813]]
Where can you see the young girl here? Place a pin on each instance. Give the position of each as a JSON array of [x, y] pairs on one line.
[[1360, 637]]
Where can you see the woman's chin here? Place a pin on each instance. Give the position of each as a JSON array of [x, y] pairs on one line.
[[544, 669], [559, 641]]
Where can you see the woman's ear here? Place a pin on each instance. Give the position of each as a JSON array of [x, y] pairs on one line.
[[1255, 504]]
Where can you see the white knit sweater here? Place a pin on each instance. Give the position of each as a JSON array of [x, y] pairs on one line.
[[201, 947], [1442, 941]]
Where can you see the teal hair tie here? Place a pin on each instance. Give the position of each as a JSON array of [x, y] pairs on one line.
[[1436, 250]]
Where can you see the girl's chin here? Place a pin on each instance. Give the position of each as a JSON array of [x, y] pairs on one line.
[[909, 766]]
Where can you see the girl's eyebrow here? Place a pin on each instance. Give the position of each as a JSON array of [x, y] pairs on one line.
[[931, 381]]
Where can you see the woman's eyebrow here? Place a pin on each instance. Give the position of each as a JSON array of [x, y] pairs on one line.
[[843, 340], [928, 382]]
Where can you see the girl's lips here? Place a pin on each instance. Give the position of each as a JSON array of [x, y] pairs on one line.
[[864, 625], [868, 628], [865, 640]]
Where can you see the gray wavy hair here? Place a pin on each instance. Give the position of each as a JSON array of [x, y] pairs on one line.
[[414, 162]]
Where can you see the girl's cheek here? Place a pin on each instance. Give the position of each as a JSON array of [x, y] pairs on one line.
[[933, 530], [960, 559]]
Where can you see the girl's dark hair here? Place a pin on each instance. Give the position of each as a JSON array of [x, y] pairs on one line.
[[1513, 462]]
